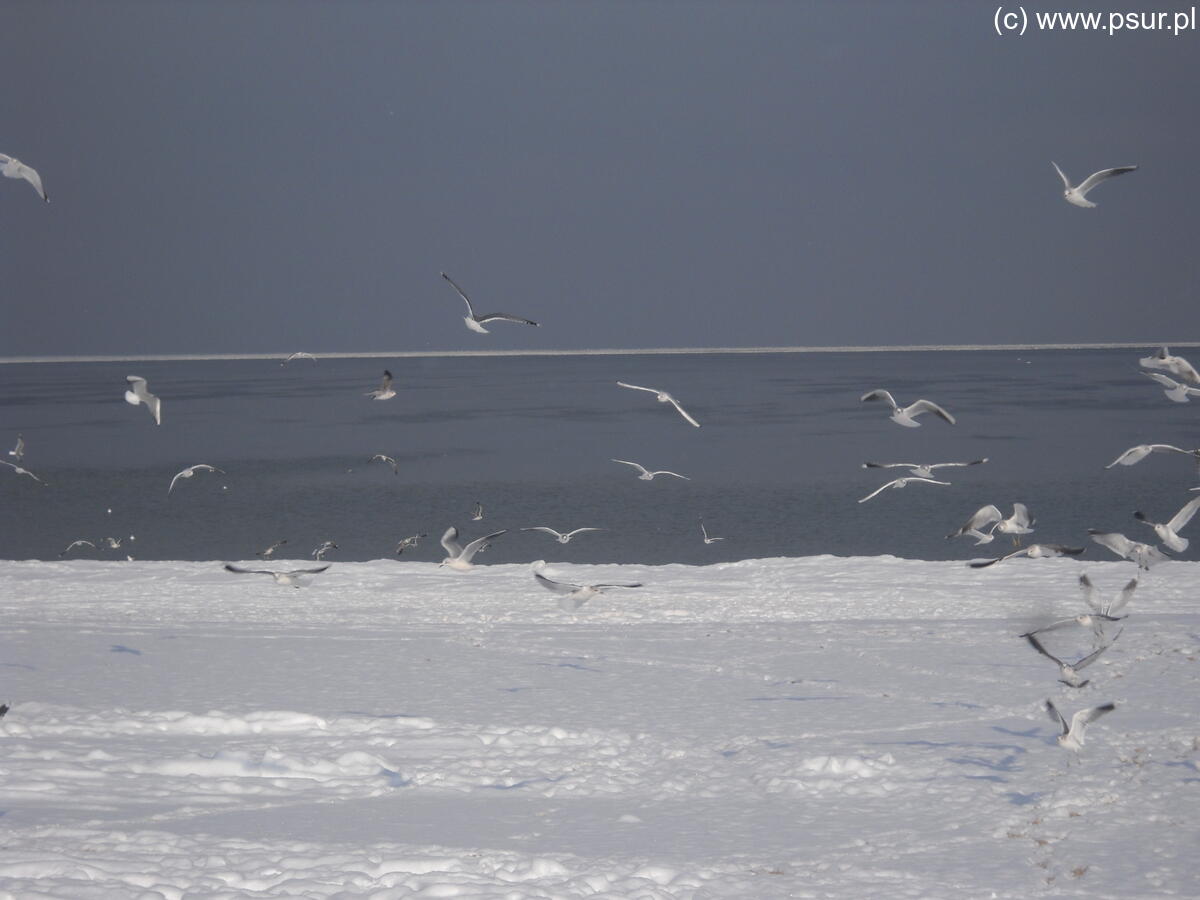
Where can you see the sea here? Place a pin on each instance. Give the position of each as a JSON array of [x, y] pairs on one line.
[[775, 470]]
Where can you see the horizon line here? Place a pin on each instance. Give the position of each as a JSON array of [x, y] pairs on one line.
[[644, 351]]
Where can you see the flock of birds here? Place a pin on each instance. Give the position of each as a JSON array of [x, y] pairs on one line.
[[1174, 374]]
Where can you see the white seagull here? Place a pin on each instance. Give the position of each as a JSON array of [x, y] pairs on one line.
[[1174, 390], [384, 458], [1094, 621], [476, 322], [1168, 532], [704, 533], [1069, 672], [411, 541], [137, 393], [1176, 365], [19, 450], [1113, 606], [290, 578], [980, 519], [192, 470], [899, 483], [477, 512], [907, 416], [647, 475], [662, 397], [299, 354], [1033, 551], [71, 546], [1072, 735], [1141, 451], [921, 470], [562, 538], [1076, 195], [11, 167], [1019, 523], [573, 595], [320, 552], [385, 390], [270, 551], [459, 557], [1135, 551], [20, 471]]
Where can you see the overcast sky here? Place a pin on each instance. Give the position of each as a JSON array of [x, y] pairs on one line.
[[239, 177]]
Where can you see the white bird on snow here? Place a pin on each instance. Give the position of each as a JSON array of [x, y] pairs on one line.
[[192, 470], [291, 578], [12, 167], [922, 470], [646, 474], [1176, 365], [573, 595], [561, 537], [459, 557], [1076, 195], [1168, 532], [907, 416], [1072, 735], [476, 322], [662, 397], [1144, 555], [137, 393], [898, 483]]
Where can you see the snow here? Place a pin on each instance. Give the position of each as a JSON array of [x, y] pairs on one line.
[[819, 727]]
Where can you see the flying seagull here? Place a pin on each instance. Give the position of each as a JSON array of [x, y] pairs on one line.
[[19, 450], [71, 546], [1069, 672], [907, 416], [1019, 523], [573, 596], [647, 475], [921, 470], [20, 471], [1113, 606], [385, 390], [476, 322], [1134, 551], [477, 512], [1072, 735], [459, 557], [1033, 551], [980, 519], [704, 534], [137, 393], [383, 457], [899, 483], [1168, 532], [1094, 621], [662, 397], [562, 538], [290, 578], [1176, 365], [299, 354], [192, 470], [1075, 195], [11, 167], [1174, 390], [320, 552], [408, 542], [1141, 451], [270, 551]]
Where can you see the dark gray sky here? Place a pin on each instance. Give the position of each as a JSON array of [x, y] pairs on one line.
[[230, 177]]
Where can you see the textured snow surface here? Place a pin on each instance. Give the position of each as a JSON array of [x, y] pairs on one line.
[[820, 727]]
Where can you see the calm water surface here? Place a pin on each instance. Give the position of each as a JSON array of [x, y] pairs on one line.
[[775, 469]]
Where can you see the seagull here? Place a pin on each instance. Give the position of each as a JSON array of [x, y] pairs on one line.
[[980, 519], [1180, 393], [908, 415], [662, 397], [1068, 671], [384, 391], [573, 595], [19, 450], [299, 354], [899, 483], [1176, 365], [71, 546], [20, 471], [1072, 735], [1112, 607], [1075, 195], [1141, 451], [476, 322], [320, 552], [1033, 551], [704, 533], [647, 475], [192, 470], [270, 551], [560, 536], [1134, 551], [14, 168], [1094, 621], [410, 541], [1168, 533], [290, 578], [921, 470], [383, 457], [113, 543], [1019, 523], [137, 393], [459, 557], [477, 512]]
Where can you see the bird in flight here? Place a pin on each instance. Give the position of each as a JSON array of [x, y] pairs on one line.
[[1076, 195], [647, 475], [573, 596], [1072, 734], [385, 390], [290, 578], [384, 458], [907, 415], [561, 537], [137, 393], [921, 470], [192, 470], [475, 321], [1176, 365], [898, 483], [14, 168], [705, 535], [459, 557], [1033, 551], [663, 397]]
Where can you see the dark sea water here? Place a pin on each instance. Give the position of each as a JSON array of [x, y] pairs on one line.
[[775, 469]]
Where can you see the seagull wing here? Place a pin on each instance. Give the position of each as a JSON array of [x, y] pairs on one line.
[[1184, 515], [1056, 716], [984, 516], [1085, 717], [1103, 175], [461, 293], [504, 317], [308, 571], [1114, 541], [1091, 657], [1021, 515], [637, 466], [559, 587], [450, 542], [879, 394], [186, 473], [578, 530], [924, 406], [1036, 644], [871, 465], [1065, 181], [973, 462], [635, 387], [897, 482], [1125, 596], [478, 544], [1089, 593], [240, 571], [665, 472], [683, 412], [1165, 380], [547, 530], [636, 584]]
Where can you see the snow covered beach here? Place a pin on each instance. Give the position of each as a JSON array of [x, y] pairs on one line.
[[814, 727]]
